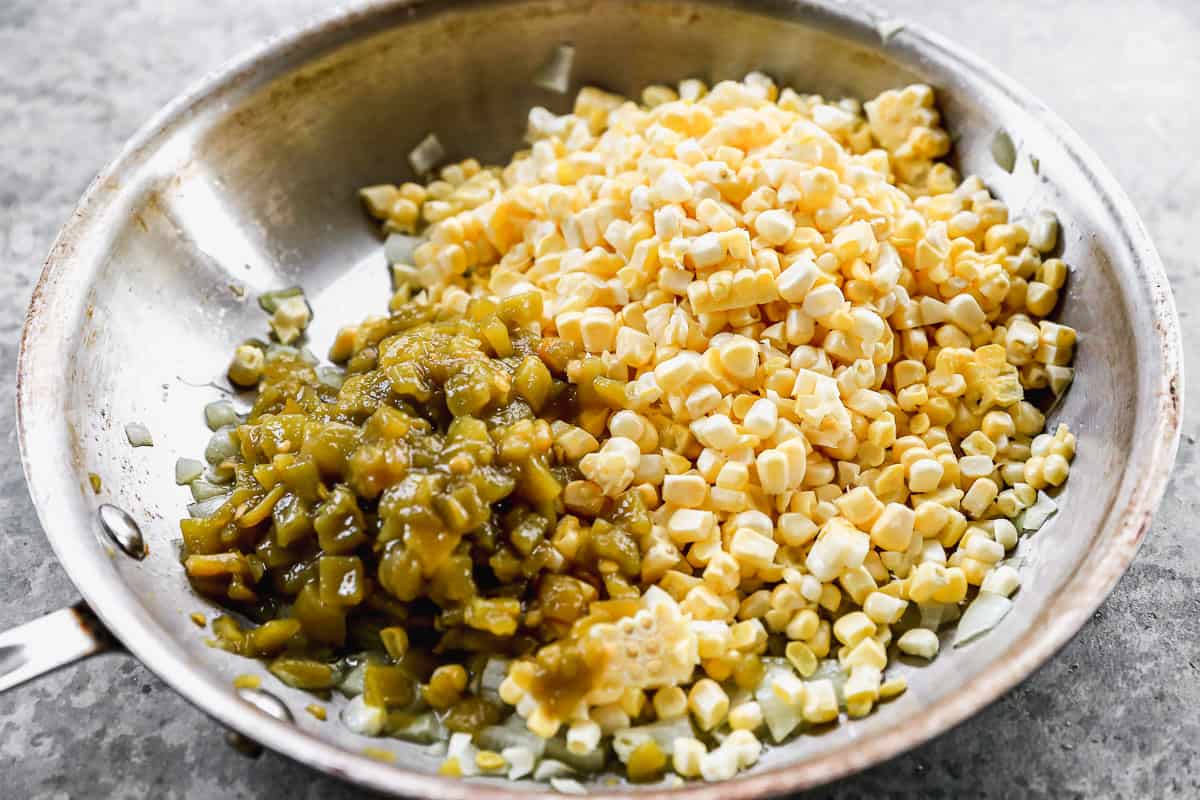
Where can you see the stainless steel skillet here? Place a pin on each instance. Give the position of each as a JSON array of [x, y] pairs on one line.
[[249, 179]]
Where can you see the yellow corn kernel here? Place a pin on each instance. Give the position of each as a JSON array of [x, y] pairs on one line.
[[686, 756], [748, 636], [862, 685], [803, 625], [708, 703], [670, 702], [893, 529], [445, 686], [926, 579], [802, 658], [884, 609], [869, 652], [752, 549], [920, 642], [892, 687], [687, 491], [852, 628], [746, 717], [820, 702]]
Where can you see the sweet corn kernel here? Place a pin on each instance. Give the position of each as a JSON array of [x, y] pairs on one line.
[[884, 609], [894, 528], [746, 717], [820, 702], [708, 703], [688, 491], [1002, 580], [752, 549], [852, 628], [802, 658], [920, 642], [803, 625], [892, 687], [686, 756]]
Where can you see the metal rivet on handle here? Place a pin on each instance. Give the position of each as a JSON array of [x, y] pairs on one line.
[[123, 531]]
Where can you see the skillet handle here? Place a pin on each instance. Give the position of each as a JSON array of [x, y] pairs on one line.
[[47, 643]]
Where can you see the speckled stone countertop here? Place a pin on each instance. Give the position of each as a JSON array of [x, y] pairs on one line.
[[1115, 714]]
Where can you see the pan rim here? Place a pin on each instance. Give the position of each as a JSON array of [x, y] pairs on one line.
[[120, 610]]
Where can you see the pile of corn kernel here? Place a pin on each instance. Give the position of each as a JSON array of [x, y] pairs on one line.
[[826, 341]]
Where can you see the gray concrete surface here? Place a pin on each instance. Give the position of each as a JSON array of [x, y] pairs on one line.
[[1116, 714]]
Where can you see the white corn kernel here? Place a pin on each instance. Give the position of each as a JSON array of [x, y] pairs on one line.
[[919, 642], [775, 226], [746, 717], [1002, 579]]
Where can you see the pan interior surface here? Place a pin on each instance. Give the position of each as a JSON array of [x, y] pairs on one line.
[[250, 183]]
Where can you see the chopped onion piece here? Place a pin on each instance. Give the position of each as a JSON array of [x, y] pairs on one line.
[[427, 155], [831, 670], [520, 761], [591, 761], [935, 615], [216, 473], [206, 508], [399, 248], [1004, 152], [353, 669], [363, 719], [555, 74], [188, 470], [548, 768], [220, 446], [493, 674], [138, 435], [984, 613], [512, 733], [203, 490], [460, 748], [780, 717], [219, 414], [333, 377], [567, 786], [1034, 517]]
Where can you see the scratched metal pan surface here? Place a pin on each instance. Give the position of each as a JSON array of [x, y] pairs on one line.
[[250, 179]]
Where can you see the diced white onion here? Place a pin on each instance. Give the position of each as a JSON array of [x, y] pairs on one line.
[[520, 761], [780, 717], [138, 435], [548, 768], [460, 748], [206, 508], [427, 155], [1004, 152], [363, 719], [555, 74], [399, 248], [188, 470], [1034, 517], [984, 613], [220, 414], [567, 786], [203, 490], [220, 446]]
